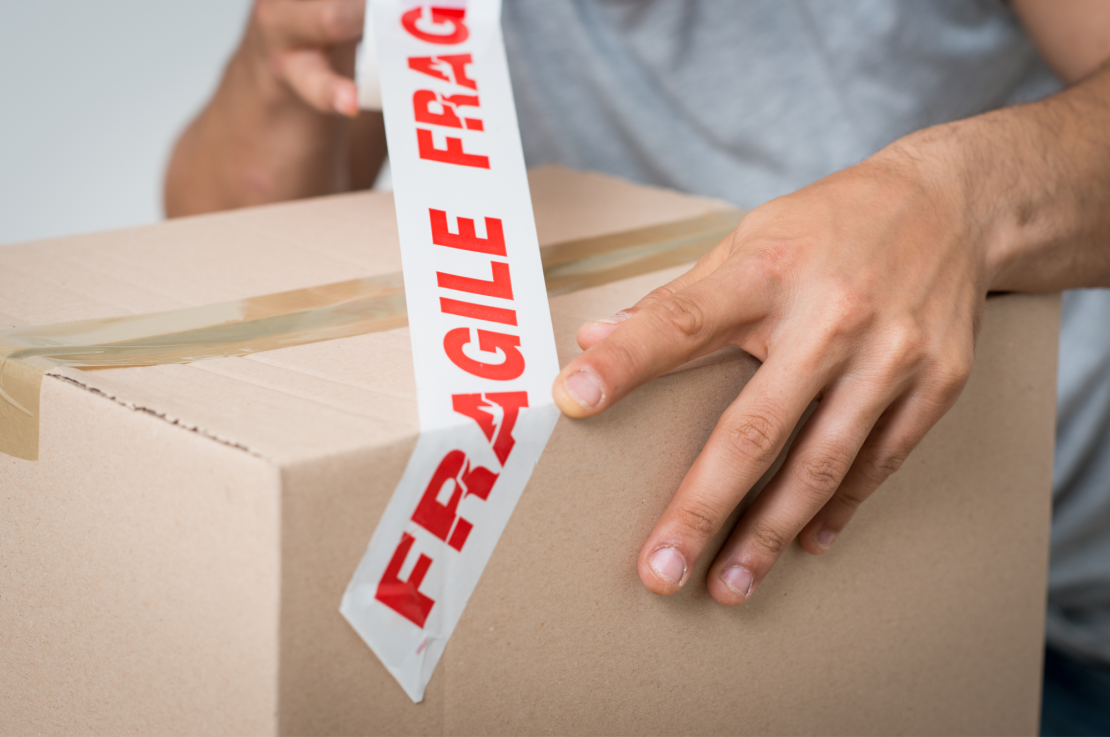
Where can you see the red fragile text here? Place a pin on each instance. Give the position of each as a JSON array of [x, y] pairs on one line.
[[455, 106], [505, 346], [454, 479], [457, 477], [478, 315]]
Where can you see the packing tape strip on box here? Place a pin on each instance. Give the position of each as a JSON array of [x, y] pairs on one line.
[[299, 317]]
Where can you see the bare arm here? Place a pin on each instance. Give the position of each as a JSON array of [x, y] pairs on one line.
[[284, 122], [1047, 165], [865, 290]]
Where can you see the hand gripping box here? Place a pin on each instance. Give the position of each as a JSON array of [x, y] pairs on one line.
[[174, 560]]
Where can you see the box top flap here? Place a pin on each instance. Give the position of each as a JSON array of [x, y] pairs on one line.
[[311, 400]]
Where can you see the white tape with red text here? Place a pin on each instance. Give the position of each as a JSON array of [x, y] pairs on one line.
[[482, 343]]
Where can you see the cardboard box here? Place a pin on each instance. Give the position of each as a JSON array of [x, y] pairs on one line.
[[174, 561]]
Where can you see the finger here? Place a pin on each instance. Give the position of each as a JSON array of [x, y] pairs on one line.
[[819, 460], [310, 23], [656, 339], [895, 435], [597, 330], [880, 456], [310, 75], [747, 439]]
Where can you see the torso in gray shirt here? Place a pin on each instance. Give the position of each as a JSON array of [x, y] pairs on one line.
[[748, 101]]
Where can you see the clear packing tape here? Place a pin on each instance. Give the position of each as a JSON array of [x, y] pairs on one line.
[[301, 316]]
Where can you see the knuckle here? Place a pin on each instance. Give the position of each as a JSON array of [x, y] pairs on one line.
[[620, 361], [658, 295], [955, 371], [845, 315], [753, 438], [846, 310], [767, 265], [820, 473], [770, 539], [888, 464], [849, 500], [684, 314], [720, 252], [761, 260], [948, 393], [624, 357], [882, 465], [904, 345], [697, 518], [945, 381]]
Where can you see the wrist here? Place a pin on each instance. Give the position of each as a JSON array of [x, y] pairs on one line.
[[957, 172]]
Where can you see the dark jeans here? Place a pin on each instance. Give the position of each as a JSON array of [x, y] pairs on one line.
[[1076, 696]]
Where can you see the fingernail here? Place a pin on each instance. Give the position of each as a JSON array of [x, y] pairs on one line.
[[824, 538], [668, 564], [343, 102], [739, 579], [584, 388], [615, 319]]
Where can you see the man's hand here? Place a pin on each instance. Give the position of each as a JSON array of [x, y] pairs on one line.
[[303, 42], [863, 291], [280, 124]]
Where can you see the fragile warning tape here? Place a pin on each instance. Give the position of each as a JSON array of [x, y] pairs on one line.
[[474, 292], [482, 343]]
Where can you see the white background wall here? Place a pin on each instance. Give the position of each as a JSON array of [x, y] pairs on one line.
[[92, 95]]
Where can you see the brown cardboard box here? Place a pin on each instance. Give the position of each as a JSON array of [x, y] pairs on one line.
[[174, 561]]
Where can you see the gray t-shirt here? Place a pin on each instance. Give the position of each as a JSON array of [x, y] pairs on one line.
[[747, 101]]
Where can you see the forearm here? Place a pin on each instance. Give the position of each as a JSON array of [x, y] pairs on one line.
[[1030, 185], [255, 142]]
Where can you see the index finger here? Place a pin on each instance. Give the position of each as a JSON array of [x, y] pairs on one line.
[[597, 330], [655, 339], [311, 76]]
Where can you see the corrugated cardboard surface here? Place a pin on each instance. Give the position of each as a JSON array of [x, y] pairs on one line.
[[174, 561], [139, 578]]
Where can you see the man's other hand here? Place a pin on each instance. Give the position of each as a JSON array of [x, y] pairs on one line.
[[284, 122], [863, 291]]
